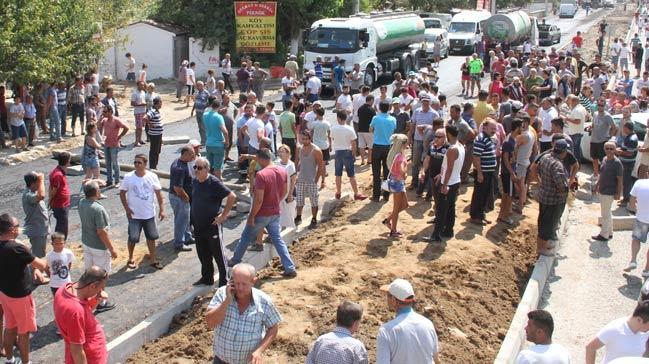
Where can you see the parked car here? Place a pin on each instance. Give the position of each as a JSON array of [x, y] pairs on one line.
[[568, 10], [431, 36], [639, 126], [608, 4], [549, 34]]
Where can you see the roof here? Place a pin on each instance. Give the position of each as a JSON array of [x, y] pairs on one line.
[[171, 28]]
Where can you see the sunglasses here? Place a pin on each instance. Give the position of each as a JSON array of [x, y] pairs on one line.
[[199, 168]]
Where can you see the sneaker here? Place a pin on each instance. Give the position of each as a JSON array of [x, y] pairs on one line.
[[256, 248], [291, 274], [313, 224], [598, 237], [106, 306], [298, 220], [183, 248]]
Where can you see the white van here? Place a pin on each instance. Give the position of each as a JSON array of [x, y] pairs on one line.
[[568, 9], [464, 31]]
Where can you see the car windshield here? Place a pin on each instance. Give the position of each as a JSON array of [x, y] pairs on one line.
[[333, 39], [431, 37], [432, 24], [544, 27], [461, 27]]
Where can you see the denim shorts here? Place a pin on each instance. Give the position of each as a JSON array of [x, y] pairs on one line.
[[91, 163], [396, 186], [18, 132], [640, 230], [135, 227], [344, 158], [215, 156]]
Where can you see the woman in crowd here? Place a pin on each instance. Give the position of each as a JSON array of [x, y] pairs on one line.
[[397, 181]]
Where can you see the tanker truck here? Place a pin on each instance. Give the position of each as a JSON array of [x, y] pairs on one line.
[[512, 28], [380, 42]]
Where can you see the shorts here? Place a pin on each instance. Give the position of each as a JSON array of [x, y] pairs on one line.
[[139, 120], [344, 159], [338, 86], [130, 76], [508, 184], [365, 140], [640, 230], [521, 170], [615, 59], [326, 156], [98, 257], [597, 151], [135, 227], [91, 163], [475, 77], [466, 77], [190, 89], [215, 155], [19, 313], [18, 132], [306, 190], [624, 63], [396, 186], [548, 220]]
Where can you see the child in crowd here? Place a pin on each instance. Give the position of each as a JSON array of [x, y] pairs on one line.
[[59, 263]]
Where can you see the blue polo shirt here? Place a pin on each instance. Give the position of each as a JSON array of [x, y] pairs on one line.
[[384, 125]]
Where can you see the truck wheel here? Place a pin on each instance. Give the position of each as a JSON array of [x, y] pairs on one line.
[[368, 79]]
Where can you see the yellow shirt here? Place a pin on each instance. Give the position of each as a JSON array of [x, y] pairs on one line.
[[481, 111]]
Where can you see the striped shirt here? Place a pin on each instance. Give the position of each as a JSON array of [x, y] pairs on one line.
[[155, 122], [61, 96], [485, 148], [76, 95], [337, 347]]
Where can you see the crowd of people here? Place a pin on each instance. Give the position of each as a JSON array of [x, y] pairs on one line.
[[524, 130]]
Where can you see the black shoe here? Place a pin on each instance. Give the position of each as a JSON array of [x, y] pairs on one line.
[[292, 274], [108, 184], [202, 282], [313, 224], [598, 238], [106, 306], [298, 220], [183, 248], [190, 242], [433, 239], [375, 199]]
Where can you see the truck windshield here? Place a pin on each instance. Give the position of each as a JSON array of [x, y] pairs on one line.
[[461, 28], [332, 40], [432, 24]]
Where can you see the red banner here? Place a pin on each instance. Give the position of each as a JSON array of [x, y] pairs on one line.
[[256, 26]]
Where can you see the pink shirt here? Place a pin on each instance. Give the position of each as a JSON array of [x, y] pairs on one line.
[[273, 181], [395, 169], [111, 131]]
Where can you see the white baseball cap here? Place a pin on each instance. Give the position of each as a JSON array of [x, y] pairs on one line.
[[401, 290]]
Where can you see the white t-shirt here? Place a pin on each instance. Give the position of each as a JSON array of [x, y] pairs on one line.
[[630, 360], [619, 340], [310, 118], [640, 84], [546, 122], [345, 102], [405, 100], [544, 354], [139, 97], [226, 64], [624, 52], [313, 85], [190, 80], [59, 264], [342, 137], [358, 100], [287, 82], [640, 191], [578, 112], [321, 130], [615, 49], [254, 125], [140, 193], [19, 110]]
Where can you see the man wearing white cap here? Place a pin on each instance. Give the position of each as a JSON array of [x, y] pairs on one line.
[[409, 337], [313, 86]]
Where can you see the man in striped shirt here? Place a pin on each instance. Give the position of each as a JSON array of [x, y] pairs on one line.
[[154, 122], [484, 162]]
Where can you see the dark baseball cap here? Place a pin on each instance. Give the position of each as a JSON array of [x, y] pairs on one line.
[[560, 146]]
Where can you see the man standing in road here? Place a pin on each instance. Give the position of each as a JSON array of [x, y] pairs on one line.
[[310, 166], [421, 119], [540, 326], [340, 346], [217, 137], [313, 87], [383, 126], [59, 194], [576, 119], [76, 100], [409, 337], [180, 194], [244, 319], [16, 289], [484, 162], [365, 115], [475, 71], [609, 188], [155, 128], [85, 341], [112, 126], [344, 146], [136, 194], [208, 193], [547, 114], [226, 72], [639, 201], [627, 151], [200, 104], [601, 130], [36, 221], [138, 101]]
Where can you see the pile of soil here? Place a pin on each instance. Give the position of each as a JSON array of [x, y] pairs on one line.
[[619, 23], [468, 286]]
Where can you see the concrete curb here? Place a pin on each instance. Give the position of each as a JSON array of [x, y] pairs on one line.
[[516, 337], [125, 345]]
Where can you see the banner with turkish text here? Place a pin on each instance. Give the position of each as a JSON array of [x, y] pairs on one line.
[[256, 26]]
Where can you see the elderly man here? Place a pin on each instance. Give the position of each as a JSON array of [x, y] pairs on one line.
[[409, 337], [208, 193], [609, 188], [16, 289], [180, 194], [340, 346], [85, 341], [244, 319]]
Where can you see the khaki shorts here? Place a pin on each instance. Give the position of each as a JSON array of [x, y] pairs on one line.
[[365, 140], [98, 257]]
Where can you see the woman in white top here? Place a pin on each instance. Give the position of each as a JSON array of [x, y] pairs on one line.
[[287, 204], [210, 83], [142, 75]]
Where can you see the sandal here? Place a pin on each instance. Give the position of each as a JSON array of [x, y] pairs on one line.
[[131, 264], [396, 234], [156, 265]]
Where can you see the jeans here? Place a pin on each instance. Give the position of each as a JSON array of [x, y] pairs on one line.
[[290, 143], [627, 179], [182, 233], [228, 83], [112, 164], [417, 151], [208, 247], [154, 150], [445, 210], [61, 216], [605, 202], [201, 126], [30, 124], [55, 125], [576, 146], [379, 159], [63, 115], [77, 111], [249, 235], [480, 197]]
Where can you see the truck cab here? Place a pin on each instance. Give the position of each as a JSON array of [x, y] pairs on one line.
[[465, 31]]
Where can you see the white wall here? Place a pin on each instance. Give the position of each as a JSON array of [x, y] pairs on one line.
[[205, 59], [107, 62], [148, 44]]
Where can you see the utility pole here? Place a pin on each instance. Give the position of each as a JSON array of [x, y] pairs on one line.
[[356, 6]]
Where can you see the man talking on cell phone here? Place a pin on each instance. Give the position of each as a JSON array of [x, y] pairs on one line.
[[236, 302]]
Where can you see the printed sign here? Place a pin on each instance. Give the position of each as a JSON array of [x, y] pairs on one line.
[[256, 26]]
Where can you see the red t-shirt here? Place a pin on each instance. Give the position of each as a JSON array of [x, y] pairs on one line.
[[111, 131], [578, 41], [58, 180], [78, 325], [273, 181]]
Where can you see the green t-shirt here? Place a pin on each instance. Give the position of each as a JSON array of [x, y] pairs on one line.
[[475, 65], [533, 81], [93, 216], [286, 122]]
